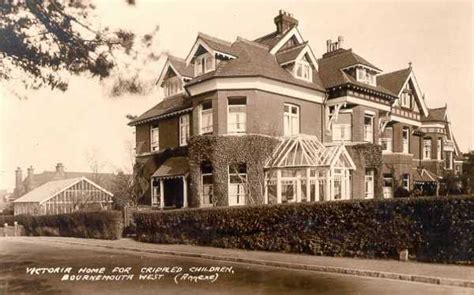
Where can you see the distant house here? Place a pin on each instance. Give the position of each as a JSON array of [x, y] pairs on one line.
[[32, 180], [63, 196]]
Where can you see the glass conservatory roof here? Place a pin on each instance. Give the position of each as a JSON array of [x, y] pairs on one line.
[[308, 151]]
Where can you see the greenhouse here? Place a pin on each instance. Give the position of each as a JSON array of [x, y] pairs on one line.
[[302, 169], [64, 196]]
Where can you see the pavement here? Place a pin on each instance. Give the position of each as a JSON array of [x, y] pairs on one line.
[[431, 273]]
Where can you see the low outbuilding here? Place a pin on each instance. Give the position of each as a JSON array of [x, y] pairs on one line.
[[64, 196]]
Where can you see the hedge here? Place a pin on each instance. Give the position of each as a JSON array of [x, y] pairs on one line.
[[436, 229], [96, 225]]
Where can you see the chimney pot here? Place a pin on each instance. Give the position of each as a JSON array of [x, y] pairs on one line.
[[60, 168], [284, 21]]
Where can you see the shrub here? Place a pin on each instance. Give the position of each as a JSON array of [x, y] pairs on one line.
[[433, 229], [97, 225]]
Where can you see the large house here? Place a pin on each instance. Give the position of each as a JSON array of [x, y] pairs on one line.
[[266, 121]]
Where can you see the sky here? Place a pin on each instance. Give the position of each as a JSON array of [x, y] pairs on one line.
[[85, 124]]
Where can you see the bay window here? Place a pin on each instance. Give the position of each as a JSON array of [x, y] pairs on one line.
[[206, 117], [406, 139], [291, 120], [155, 139], [449, 161], [184, 129], [237, 184], [237, 115], [427, 148], [369, 128]]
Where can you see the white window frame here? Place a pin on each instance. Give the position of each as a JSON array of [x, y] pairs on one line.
[[406, 141], [173, 86], [426, 148], [387, 142], [369, 183], [449, 161], [204, 113], [291, 121], [387, 189], [184, 129], [154, 144], [237, 193], [240, 126], [439, 151], [206, 199], [406, 178], [406, 98], [303, 70], [341, 132], [369, 129], [204, 63]]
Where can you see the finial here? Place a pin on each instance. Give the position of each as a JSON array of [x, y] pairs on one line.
[[409, 64]]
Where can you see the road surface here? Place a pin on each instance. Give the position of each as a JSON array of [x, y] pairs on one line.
[[17, 256]]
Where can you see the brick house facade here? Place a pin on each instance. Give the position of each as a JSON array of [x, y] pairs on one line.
[[265, 121]]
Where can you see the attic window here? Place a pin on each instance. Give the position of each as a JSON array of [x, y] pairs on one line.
[[406, 98], [365, 76], [303, 70], [204, 63], [172, 86]]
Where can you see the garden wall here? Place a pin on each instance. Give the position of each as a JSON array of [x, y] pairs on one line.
[[437, 229], [96, 225]]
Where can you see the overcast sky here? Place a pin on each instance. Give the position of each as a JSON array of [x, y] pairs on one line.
[[84, 123]]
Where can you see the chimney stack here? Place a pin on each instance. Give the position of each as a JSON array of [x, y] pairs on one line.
[[284, 21], [60, 169], [31, 171], [18, 178], [333, 46]]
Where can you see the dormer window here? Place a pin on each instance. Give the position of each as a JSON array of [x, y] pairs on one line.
[[303, 70], [173, 86], [204, 63], [365, 76]]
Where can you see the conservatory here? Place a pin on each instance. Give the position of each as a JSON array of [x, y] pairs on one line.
[[302, 169]]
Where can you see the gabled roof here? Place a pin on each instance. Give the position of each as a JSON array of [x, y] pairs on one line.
[[178, 103], [51, 189], [178, 66], [424, 175], [349, 58], [253, 59], [270, 40], [436, 115], [291, 54], [394, 81], [332, 74], [211, 44], [308, 151]]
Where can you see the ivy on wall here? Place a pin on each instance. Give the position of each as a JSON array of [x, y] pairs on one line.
[[222, 151], [369, 155]]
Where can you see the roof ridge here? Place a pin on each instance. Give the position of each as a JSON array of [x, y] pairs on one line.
[[393, 72], [225, 42], [242, 39], [175, 57], [265, 36]]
